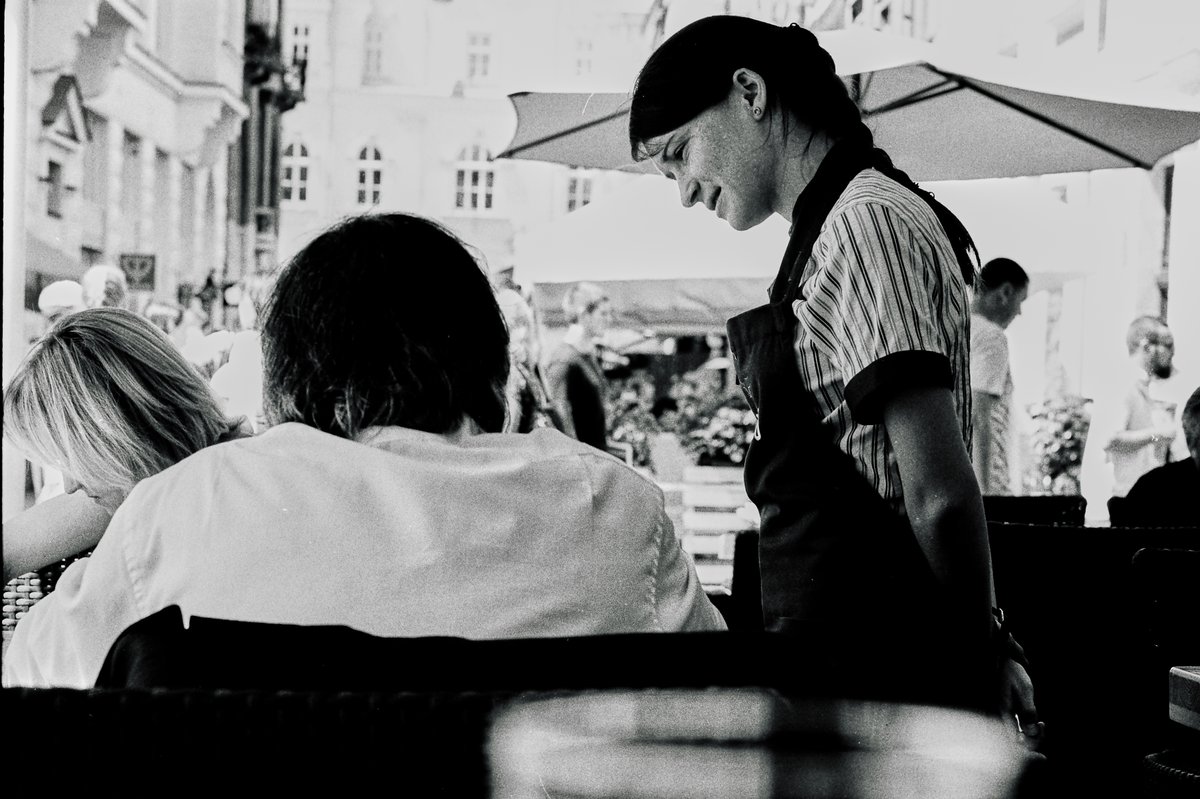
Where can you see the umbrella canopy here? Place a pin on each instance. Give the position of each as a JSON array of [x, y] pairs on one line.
[[942, 114]]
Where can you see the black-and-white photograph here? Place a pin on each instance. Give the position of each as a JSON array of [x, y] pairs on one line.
[[622, 399]]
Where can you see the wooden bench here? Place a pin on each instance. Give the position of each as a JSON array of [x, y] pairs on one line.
[[715, 509]]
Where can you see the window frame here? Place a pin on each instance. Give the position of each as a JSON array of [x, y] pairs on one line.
[[294, 171], [478, 195], [370, 160]]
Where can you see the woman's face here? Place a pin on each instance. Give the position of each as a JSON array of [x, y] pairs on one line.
[[723, 159], [109, 498]]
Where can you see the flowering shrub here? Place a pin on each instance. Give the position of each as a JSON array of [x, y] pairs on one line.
[[630, 421], [714, 423], [1060, 426]]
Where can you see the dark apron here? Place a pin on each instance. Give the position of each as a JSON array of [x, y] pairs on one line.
[[840, 568]]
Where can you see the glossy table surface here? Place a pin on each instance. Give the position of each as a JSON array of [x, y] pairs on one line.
[[1185, 696]]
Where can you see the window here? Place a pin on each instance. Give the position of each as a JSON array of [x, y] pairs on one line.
[[299, 44], [54, 189], [131, 176], [373, 53], [370, 176], [294, 183], [95, 159], [579, 188], [479, 55], [475, 179]]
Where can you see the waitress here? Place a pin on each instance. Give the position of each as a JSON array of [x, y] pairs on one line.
[[874, 547]]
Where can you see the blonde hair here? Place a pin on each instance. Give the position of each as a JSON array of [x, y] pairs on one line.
[[107, 398], [95, 283]]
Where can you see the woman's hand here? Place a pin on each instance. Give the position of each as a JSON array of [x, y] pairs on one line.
[[1016, 703]]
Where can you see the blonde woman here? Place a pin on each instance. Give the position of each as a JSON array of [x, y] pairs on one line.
[[575, 378], [109, 400]]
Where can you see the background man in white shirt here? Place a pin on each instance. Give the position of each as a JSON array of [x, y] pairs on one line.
[[1003, 286]]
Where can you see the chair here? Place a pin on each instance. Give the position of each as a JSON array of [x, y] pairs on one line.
[[1035, 509], [1070, 596], [714, 502], [1167, 587]]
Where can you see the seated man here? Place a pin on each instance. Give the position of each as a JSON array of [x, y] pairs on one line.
[[384, 496], [1166, 495]]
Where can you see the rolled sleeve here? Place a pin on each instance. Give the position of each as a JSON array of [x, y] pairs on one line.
[[869, 391]]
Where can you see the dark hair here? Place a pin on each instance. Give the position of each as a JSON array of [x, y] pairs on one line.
[[384, 320], [998, 271], [1191, 423], [692, 71]]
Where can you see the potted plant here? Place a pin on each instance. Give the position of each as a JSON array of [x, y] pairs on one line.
[[1060, 427]]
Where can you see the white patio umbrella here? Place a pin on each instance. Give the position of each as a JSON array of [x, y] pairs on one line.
[[942, 114]]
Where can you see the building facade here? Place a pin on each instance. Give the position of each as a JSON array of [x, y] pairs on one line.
[[406, 106], [130, 111]]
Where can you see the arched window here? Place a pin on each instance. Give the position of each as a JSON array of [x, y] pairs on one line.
[[370, 176], [294, 183], [475, 179]]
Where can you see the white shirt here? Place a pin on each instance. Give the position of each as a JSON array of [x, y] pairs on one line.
[[990, 374], [405, 534]]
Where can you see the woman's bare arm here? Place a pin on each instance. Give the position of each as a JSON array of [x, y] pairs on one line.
[[945, 510], [55, 529], [942, 497]]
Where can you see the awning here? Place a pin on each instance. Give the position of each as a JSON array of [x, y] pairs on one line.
[[672, 307], [48, 260]]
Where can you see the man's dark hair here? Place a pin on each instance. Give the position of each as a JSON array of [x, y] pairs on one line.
[[1191, 425], [384, 320], [998, 271]]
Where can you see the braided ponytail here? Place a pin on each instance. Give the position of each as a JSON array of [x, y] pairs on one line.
[[844, 120], [960, 238]]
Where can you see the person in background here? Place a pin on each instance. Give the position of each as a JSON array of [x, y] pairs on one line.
[[1000, 290], [873, 542], [1167, 495], [384, 473], [238, 382], [107, 399], [60, 298], [105, 286], [1137, 431], [576, 379], [530, 406]]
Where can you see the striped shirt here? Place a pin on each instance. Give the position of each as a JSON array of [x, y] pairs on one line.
[[882, 305]]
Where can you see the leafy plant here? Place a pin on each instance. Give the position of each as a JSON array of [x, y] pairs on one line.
[[714, 422], [630, 420], [1060, 427]]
